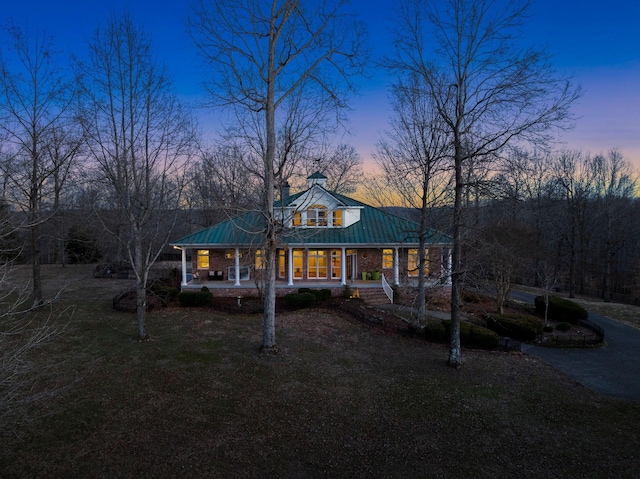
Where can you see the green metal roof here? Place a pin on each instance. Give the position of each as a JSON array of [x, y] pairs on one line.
[[375, 228]]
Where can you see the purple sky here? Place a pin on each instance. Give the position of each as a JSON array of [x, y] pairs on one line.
[[596, 42]]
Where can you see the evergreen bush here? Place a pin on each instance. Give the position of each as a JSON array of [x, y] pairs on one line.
[[200, 298], [300, 300], [516, 326], [320, 294], [435, 331], [563, 327], [561, 309], [474, 335]]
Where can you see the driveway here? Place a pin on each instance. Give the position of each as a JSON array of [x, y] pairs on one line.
[[612, 370]]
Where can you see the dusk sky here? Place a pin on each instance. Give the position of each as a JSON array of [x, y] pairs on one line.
[[596, 42]]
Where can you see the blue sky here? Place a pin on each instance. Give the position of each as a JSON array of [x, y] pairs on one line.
[[596, 42]]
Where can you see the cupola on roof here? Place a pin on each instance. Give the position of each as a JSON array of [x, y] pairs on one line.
[[317, 179]]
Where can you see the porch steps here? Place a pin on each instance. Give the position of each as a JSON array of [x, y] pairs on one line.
[[373, 296]]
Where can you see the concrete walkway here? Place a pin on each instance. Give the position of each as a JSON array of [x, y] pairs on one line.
[[612, 370]]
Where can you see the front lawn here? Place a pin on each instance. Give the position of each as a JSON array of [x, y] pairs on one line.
[[339, 400]]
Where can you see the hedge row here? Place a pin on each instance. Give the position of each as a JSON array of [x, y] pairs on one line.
[[320, 294], [196, 298], [516, 326], [561, 309]]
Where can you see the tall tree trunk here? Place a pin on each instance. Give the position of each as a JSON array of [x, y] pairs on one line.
[[269, 320], [141, 290], [34, 228], [35, 264], [455, 356], [422, 287]]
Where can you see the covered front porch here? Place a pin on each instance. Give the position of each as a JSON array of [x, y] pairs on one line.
[[322, 266]]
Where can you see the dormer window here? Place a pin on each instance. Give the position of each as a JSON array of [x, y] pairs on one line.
[[317, 215], [336, 218]]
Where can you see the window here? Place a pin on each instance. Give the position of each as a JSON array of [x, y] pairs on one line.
[[412, 265], [387, 258], [231, 253], [297, 218], [317, 215], [261, 261], [413, 262], [317, 264], [203, 259], [282, 264], [336, 219], [297, 263], [336, 263]]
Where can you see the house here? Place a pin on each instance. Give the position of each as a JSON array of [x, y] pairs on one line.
[[326, 239]]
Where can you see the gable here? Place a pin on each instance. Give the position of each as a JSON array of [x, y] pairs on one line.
[[299, 210]]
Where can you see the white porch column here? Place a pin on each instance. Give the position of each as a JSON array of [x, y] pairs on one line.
[[184, 266], [290, 267], [396, 266], [343, 265], [447, 272], [237, 265]]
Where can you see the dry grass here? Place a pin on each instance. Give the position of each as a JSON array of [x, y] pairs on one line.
[[339, 400]]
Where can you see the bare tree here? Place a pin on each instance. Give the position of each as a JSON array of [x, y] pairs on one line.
[[413, 159], [615, 187], [574, 180], [24, 331], [275, 65], [341, 164], [220, 183], [139, 138], [488, 91], [35, 98]]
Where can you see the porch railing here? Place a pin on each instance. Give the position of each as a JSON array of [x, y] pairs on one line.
[[387, 288]]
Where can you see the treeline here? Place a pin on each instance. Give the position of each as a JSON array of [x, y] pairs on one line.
[[565, 221]]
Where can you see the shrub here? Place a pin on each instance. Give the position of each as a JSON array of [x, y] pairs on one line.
[[516, 326], [474, 335], [435, 331], [164, 292], [561, 309], [320, 294], [346, 291], [164, 289], [196, 298], [325, 294], [563, 327], [300, 300]]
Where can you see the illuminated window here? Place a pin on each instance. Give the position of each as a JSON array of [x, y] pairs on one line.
[[297, 218], [387, 258], [317, 215], [203, 259], [317, 264], [282, 264], [337, 217], [336, 263], [297, 263], [261, 261], [231, 253], [413, 262]]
